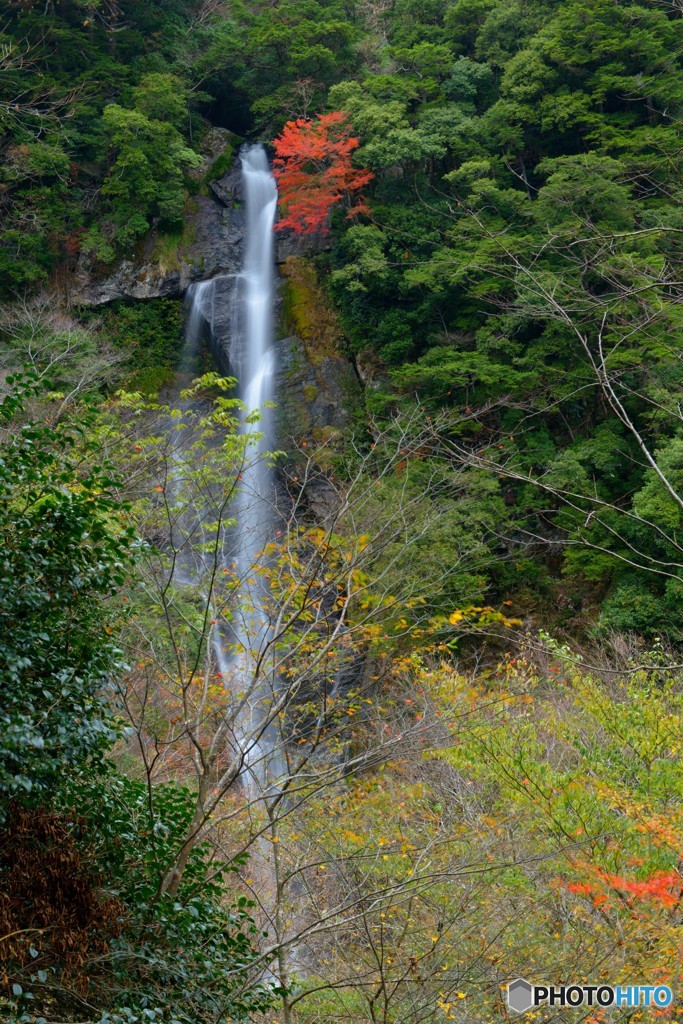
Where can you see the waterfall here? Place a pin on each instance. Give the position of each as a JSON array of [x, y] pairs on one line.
[[252, 362], [251, 355], [250, 346], [247, 342]]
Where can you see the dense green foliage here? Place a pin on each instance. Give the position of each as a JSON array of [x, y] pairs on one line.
[[148, 336], [93, 121], [526, 213], [62, 557], [84, 879]]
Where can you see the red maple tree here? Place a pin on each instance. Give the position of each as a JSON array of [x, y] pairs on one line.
[[314, 172]]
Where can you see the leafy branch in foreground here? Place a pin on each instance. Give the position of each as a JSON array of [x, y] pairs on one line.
[[65, 554], [84, 932]]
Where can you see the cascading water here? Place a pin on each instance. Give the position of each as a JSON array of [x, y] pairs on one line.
[[250, 347], [251, 360]]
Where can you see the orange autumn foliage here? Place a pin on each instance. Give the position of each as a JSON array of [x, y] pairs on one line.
[[314, 172], [663, 888]]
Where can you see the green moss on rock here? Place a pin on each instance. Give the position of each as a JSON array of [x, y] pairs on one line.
[[307, 311]]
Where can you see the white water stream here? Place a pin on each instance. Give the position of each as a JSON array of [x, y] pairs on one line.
[[251, 361]]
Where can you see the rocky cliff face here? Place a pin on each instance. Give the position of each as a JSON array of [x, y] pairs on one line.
[[317, 381], [315, 396]]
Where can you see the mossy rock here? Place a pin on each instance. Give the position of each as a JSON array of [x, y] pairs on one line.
[[218, 148], [314, 399], [169, 246], [221, 165], [307, 311]]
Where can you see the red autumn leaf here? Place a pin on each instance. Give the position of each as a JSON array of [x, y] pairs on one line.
[[314, 172], [664, 887]]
